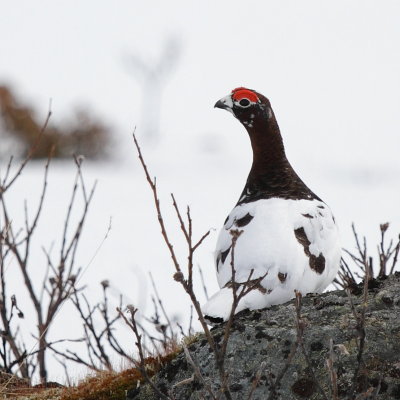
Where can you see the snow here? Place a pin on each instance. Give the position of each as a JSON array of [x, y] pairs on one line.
[[329, 69], [209, 183]]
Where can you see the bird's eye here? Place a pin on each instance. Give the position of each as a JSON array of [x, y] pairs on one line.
[[244, 102]]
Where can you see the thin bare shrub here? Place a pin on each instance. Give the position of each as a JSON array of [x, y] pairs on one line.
[[60, 273], [388, 257], [186, 280]]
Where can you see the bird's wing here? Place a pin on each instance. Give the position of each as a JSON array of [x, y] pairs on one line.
[[288, 239]]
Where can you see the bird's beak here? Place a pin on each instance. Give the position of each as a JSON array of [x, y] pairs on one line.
[[225, 103]]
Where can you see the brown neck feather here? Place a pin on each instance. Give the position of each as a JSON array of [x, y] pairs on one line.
[[268, 150], [269, 156], [271, 174]]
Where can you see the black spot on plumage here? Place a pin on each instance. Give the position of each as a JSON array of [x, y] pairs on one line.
[[253, 284], [224, 254], [217, 261], [214, 320], [221, 257], [321, 207], [282, 277], [226, 220], [244, 220], [303, 239], [317, 264], [307, 215]]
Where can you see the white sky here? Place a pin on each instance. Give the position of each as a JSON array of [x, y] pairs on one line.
[[330, 69]]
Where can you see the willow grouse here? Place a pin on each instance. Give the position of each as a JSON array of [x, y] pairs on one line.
[[288, 233]]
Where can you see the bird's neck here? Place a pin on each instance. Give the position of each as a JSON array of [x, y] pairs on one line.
[[271, 175], [269, 156]]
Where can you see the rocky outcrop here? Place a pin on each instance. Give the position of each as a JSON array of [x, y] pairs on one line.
[[261, 342]]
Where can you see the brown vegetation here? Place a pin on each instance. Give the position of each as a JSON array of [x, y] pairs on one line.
[[19, 124]]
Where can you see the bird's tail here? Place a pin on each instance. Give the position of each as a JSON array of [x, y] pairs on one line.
[[219, 306]]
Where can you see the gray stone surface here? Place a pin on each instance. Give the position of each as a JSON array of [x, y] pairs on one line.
[[268, 335]]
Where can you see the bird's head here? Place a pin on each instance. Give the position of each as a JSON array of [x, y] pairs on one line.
[[246, 105]]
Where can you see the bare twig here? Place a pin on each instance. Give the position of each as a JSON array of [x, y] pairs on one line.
[[141, 365], [395, 257], [157, 204], [60, 277], [239, 290], [387, 254], [300, 325], [360, 328], [332, 372], [178, 276], [160, 303], [245, 287], [4, 185], [184, 382], [256, 380], [203, 283], [197, 371], [282, 373]]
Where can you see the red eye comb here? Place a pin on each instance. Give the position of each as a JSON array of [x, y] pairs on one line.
[[241, 92]]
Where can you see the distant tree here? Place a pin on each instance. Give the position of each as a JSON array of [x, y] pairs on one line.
[[153, 76], [20, 127]]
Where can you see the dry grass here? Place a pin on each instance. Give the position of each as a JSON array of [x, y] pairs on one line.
[[103, 385], [113, 385]]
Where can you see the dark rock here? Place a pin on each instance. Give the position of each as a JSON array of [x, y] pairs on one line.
[[235, 387], [396, 392], [267, 336], [316, 346], [304, 388], [132, 393]]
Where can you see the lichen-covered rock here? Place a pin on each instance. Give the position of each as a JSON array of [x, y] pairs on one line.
[[267, 336]]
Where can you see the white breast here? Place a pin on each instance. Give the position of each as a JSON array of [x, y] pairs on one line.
[[294, 241]]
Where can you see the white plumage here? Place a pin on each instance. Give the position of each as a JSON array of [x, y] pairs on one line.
[[268, 244]]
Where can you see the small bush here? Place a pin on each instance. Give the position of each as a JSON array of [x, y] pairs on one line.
[[20, 129]]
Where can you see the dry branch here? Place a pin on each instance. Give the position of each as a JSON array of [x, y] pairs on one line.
[[141, 365], [239, 290], [60, 275]]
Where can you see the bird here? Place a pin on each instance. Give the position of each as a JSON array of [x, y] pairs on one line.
[[280, 237]]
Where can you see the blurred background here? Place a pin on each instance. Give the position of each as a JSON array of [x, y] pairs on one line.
[[330, 70]]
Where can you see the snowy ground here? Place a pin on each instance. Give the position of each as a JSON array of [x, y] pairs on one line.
[[330, 70], [210, 183]]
